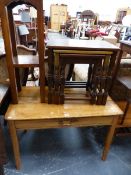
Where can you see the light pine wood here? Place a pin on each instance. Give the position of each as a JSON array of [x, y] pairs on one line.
[[109, 138], [26, 111], [15, 143], [36, 115]]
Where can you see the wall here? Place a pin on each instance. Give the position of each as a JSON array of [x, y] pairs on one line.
[[106, 8]]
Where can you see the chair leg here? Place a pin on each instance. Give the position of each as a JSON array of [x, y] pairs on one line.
[[25, 76]]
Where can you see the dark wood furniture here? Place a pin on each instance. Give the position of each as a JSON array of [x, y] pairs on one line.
[[125, 46], [14, 61], [69, 67], [4, 93], [23, 114], [100, 55], [126, 82]]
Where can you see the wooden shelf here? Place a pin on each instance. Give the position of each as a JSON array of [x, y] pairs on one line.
[[26, 61]]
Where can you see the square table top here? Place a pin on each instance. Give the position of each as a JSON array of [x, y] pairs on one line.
[[80, 44]]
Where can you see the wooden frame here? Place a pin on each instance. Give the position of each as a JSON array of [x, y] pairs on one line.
[[67, 52], [58, 116], [8, 30]]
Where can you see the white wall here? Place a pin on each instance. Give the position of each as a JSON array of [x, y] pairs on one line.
[[105, 8]]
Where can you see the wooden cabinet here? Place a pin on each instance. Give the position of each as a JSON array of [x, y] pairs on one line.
[[121, 13], [58, 15]]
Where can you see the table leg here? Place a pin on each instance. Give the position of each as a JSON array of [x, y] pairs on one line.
[[62, 82], [57, 79], [15, 143], [109, 138], [50, 75]]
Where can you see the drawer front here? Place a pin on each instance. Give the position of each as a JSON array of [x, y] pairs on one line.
[[63, 122]]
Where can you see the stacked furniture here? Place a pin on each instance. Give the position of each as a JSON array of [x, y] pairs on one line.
[[15, 61], [122, 85], [28, 109], [101, 57]]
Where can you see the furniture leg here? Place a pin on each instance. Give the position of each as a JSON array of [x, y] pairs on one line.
[[15, 143], [125, 111], [62, 83], [109, 138], [57, 80], [50, 76]]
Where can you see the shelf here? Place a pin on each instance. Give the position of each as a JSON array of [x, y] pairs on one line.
[[26, 61]]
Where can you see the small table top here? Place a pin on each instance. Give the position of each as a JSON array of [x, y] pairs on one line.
[[80, 44], [126, 42]]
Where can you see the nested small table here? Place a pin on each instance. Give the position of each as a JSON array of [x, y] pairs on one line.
[[101, 57]]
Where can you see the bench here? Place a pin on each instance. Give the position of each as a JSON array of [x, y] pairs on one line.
[[24, 116]]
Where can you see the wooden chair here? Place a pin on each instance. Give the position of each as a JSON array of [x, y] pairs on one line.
[[14, 61], [24, 72]]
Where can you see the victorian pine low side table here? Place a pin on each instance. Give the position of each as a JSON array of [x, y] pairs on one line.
[[101, 57], [31, 114]]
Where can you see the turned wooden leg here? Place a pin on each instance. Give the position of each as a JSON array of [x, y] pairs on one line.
[[109, 138], [15, 143]]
